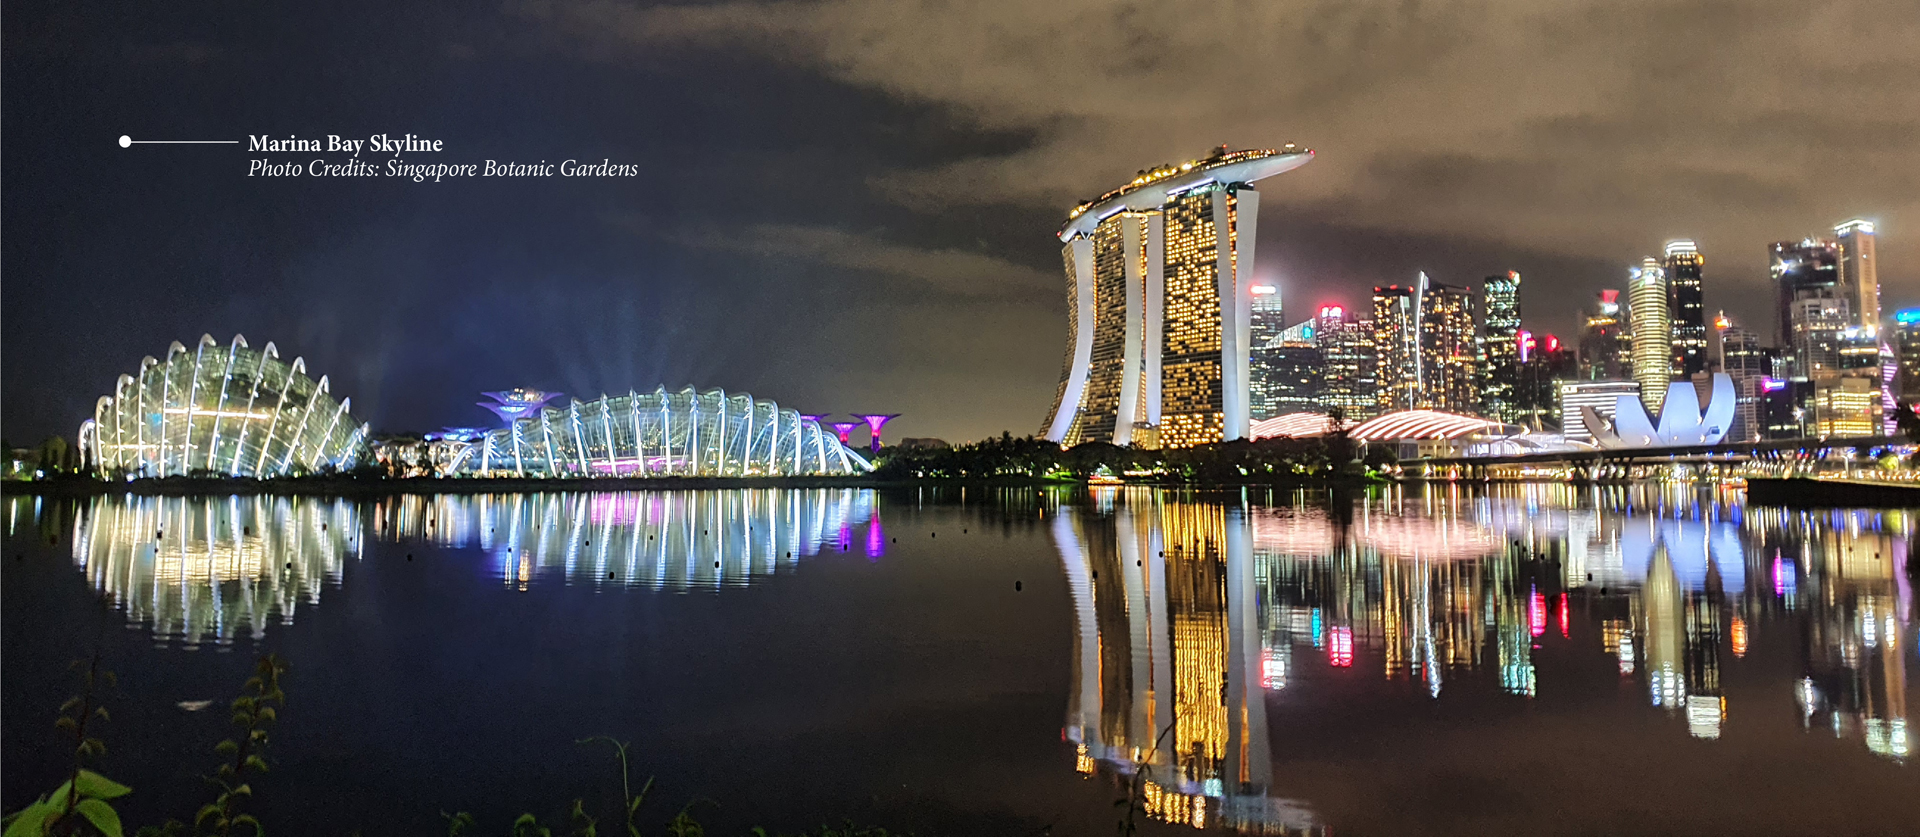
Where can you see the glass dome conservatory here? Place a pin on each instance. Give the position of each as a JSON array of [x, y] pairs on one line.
[[661, 433], [220, 411]]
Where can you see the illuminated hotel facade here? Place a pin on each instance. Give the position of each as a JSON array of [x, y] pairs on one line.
[[1160, 302]]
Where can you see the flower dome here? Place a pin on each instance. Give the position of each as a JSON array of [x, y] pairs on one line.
[[661, 433], [220, 411]]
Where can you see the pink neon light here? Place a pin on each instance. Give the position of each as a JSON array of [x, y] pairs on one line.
[[1537, 613], [1340, 649]]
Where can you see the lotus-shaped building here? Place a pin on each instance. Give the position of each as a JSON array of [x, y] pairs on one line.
[[220, 410], [661, 433], [1682, 421]]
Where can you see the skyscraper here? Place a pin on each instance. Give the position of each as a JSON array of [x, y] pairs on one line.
[[1396, 346], [1806, 269], [1295, 374], [1906, 336], [1605, 346], [1737, 351], [1685, 308], [1449, 349], [1267, 324], [1160, 298], [1647, 309], [1348, 382], [1859, 273], [1426, 348], [1501, 336]]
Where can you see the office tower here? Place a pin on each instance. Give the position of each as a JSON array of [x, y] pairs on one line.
[[1652, 333], [1606, 346], [1806, 269], [1449, 349], [1348, 381], [1287, 373], [1268, 317], [1684, 308], [1266, 325], [1296, 373], [1426, 348], [1786, 408], [1906, 343], [1501, 336], [1859, 272], [1160, 298], [1544, 363], [1817, 322], [1846, 406], [1737, 352], [1396, 345], [1602, 396]]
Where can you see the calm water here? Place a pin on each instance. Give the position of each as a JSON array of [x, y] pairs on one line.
[[1646, 660]]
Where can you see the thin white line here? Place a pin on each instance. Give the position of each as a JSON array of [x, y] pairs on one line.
[[185, 142]]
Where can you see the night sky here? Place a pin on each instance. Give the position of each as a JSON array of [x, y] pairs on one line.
[[851, 206]]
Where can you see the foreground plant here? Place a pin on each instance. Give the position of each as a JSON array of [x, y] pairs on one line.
[[81, 803], [253, 712]]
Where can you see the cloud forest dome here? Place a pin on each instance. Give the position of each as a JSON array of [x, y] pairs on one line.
[[221, 410], [661, 433]]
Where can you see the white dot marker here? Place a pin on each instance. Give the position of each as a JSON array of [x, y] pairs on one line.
[[126, 141]]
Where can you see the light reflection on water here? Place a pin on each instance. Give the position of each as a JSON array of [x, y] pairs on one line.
[[200, 569], [1191, 615], [672, 540], [206, 569], [1188, 612]]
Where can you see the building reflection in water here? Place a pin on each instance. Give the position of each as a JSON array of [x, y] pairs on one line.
[[198, 569], [206, 569], [675, 540], [1189, 611]]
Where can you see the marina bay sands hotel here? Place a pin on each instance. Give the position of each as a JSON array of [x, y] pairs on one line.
[[1160, 303]]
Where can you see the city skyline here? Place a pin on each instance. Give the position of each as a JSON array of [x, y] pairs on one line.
[[894, 250]]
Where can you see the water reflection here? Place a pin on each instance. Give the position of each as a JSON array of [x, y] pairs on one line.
[[675, 540], [198, 569], [1189, 611]]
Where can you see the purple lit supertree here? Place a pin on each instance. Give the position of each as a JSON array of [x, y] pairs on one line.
[[845, 429], [874, 422], [517, 403]]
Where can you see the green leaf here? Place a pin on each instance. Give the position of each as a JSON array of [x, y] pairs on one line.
[[66, 723], [101, 815], [100, 787], [226, 748], [247, 819], [256, 763], [102, 712], [242, 789], [32, 820], [71, 704], [207, 811], [266, 714]]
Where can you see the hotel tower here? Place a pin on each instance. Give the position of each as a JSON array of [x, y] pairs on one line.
[[1160, 302]]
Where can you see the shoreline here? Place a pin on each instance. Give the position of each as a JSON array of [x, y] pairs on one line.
[[376, 487]]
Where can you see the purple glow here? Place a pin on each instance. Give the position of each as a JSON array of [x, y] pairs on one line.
[[845, 429], [518, 403], [876, 537], [874, 422]]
